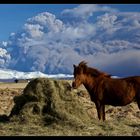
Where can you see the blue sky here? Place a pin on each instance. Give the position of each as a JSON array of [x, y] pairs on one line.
[[52, 37], [13, 16]]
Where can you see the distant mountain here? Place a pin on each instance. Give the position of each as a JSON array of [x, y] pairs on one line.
[[7, 74], [10, 75]]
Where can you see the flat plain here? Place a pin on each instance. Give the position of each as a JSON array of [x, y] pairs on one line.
[[120, 121]]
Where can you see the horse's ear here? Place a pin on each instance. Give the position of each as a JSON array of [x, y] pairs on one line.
[[84, 68], [74, 66]]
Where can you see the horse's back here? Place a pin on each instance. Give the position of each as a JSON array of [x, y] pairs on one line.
[[131, 79], [119, 91], [135, 80]]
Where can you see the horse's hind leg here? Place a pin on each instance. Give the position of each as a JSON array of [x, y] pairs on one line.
[[99, 113], [138, 99], [103, 109], [138, 102]]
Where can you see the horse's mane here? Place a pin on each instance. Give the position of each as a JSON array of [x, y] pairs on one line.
[[91, 71], [83, 64]]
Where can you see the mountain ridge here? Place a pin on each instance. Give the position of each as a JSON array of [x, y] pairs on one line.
[[6, 74]]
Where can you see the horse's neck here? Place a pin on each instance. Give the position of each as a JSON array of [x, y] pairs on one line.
[[90, 83]]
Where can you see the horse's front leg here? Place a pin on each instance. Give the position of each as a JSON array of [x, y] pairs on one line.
[[100, 110], [103, 110]]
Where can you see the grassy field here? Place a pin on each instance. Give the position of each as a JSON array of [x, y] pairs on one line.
[[13, 85], [120, 121]]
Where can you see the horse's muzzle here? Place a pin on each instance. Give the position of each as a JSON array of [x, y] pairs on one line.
[[73, 85]]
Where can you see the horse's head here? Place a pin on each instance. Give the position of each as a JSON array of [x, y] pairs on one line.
[[82, 71], [78, 73]]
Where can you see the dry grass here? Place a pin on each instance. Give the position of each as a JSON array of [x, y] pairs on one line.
[[13, 85], [65, 112]]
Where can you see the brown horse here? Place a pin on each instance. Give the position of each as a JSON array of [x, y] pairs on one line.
[[105, 90]]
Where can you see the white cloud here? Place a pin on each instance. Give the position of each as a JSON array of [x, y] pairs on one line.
[[86, 10], [4, 43], [53, 45], [78, 32], [47, 20], [12, 34], [34, 30], [106, 20], [4, 57]]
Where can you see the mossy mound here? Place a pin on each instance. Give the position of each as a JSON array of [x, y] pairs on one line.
[[48, 101]]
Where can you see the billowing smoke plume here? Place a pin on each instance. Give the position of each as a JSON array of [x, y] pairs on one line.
[[104, 37]]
